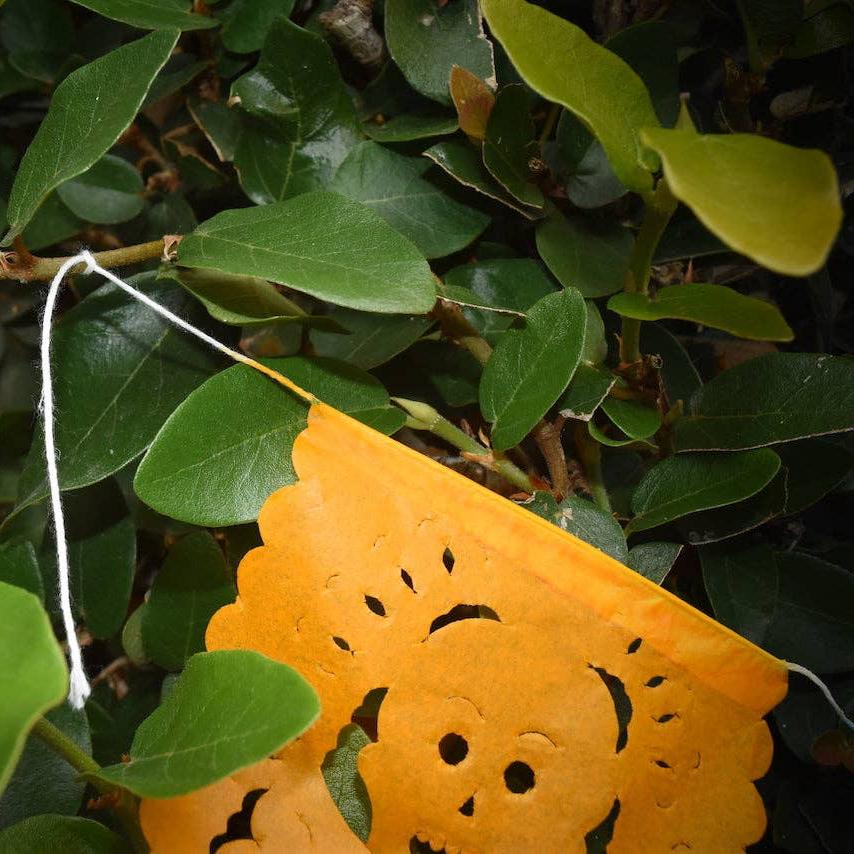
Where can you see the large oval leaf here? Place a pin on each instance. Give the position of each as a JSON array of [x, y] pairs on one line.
[[710, 305], [321, 244], [227, 447], [33, 677], [531, 366], [559, 60], [69, 834], [150, 14], [207, 727], [686, 483], [88, 112], [774, 398], [109, 191], [777, 204]]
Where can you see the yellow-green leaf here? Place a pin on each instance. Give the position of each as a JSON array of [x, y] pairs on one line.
[[558, 60], [776, 204]]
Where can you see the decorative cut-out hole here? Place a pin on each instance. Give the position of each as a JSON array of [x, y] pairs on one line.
[[665, 718], [634, 646], [453, 748], [407, 580], [655, 681], [365, 714], [598, 839], [661, 763], [463, 612], [468, 807], [519, 777], [622, 705], [375, 606], [239, 824], [341, 643], [448, 560]]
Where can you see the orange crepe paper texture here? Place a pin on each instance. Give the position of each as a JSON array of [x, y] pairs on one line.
[[491, 627]]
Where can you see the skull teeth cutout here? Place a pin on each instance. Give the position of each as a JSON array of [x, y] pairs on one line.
[[478, 754]]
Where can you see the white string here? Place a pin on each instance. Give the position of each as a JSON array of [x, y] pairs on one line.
[[79, 688], [797, 668]]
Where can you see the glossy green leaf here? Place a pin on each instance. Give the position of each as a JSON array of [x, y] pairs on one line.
[[604, 435], [709, 305], [249, 423], [637, 420], [245, 23], [589, 80], [394, 187], [341, 773], [792, 604], [219, 123], [586, 390], [678, 374], [51, 223], [532, 365], [654, 560], [426, 39], [463, 161], [773, 398], [180, 69], [512, 285], [686, 483], [33, 677], [89, 110], [321, 244], [372, 339], [109, 414], [42, 834], [509, 145], [43, 781], [206, 729], [150, 14], [583, 519], [593, 257], [410, 126], [192, 585], [19, 566], [776, 204], [108, 191], [299, 122]]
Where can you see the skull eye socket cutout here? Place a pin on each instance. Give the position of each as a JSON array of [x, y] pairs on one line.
[[453, 748], [519, 777]]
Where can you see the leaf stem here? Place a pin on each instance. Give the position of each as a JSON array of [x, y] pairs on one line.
[[124, 804], [549, 124], [590, 456], [30, 268], [659, 208]]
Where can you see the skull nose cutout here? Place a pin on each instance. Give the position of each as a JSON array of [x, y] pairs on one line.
[[453, 748], [467, 808], [519, 777]]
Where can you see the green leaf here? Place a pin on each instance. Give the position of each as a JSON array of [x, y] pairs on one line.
[[192, 585], [411, 126], [299, 122], [509, 145], [109, 413], [19, 566], [586, 390], [33, 677], [341, 773], [634, 418], [814, 467], [132, 637], [41, 834], [773, 398], [373, 339], [510, 284], [249, 424], [531, 366], [678, 374], [593, 257], [654, 560], [51, 223], [219, 123], [604, 438], [88, 112], [710, 305], [452, 371], [560, 62], [150, 14], [38, 38], [180, 69], [394, 187], [583, 519], [109, 191], [464, 163], [426, 39], [776, 204], [245, 23], [829, 28], [321, 244], [228, 710], [241, 300], [43, 781], [686, 483], [792, 604]]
